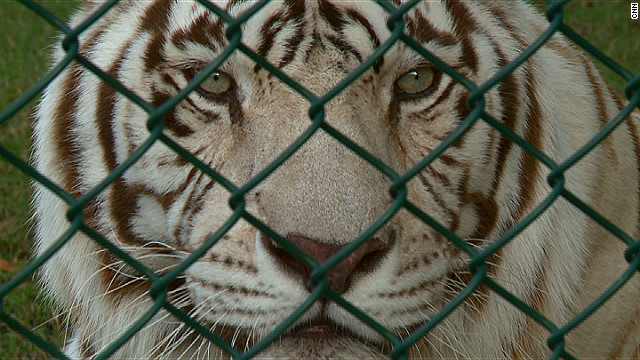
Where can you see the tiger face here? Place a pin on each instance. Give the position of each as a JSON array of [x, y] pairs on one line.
[[241, 117]]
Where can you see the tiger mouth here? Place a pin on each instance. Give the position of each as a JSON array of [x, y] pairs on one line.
[[321, 331], [316, 333]]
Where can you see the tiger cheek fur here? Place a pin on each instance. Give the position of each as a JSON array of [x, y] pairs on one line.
[[324, 196]]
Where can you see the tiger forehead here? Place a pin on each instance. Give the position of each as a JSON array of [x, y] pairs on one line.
[[284, 30]]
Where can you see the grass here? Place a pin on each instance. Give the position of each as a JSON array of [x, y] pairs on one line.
[[606, 24], [24, 58]]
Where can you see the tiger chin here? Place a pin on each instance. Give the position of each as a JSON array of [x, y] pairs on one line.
[[240, 118]]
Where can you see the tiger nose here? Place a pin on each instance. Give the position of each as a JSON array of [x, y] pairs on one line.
[[362, 259]]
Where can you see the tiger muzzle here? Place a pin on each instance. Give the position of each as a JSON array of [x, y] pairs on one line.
[[361, 260]]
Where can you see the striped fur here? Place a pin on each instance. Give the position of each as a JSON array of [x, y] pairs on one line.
[[163, 208]]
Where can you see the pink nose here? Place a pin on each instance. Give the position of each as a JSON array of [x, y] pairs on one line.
[[362, 259]]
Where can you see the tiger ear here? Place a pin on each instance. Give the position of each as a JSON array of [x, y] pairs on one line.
[[92, 4]]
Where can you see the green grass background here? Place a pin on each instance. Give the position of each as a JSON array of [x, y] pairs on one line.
[[24, 57]]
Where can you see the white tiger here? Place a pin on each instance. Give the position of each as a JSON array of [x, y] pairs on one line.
[[241, 118]]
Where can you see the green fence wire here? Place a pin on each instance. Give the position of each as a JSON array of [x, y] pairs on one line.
[[478, 263]]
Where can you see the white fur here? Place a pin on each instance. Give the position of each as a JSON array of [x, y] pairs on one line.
[[558, 264]]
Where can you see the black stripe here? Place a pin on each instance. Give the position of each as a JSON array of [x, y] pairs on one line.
[[464, 26], [291, 16], [421, 30], [356, 16], [170, 121], [180, 229], [454, 218], [203, 30]]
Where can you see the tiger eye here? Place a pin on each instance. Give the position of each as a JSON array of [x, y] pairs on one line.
[[218, 83], [416, 80]]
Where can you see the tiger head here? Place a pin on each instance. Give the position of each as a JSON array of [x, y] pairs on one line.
[[241, 117]]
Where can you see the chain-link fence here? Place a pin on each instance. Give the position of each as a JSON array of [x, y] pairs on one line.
[[478, 263]]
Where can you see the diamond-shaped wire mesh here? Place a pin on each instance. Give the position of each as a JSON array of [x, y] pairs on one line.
[[478, 263]]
